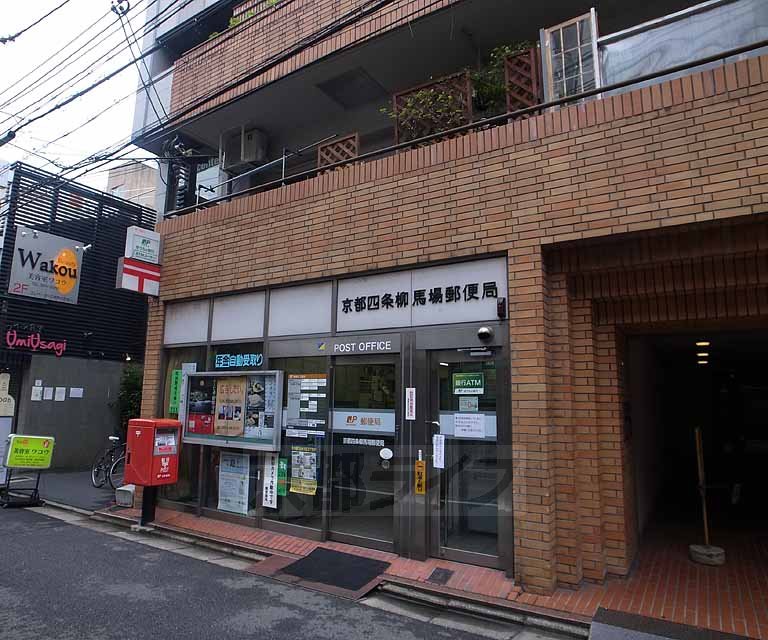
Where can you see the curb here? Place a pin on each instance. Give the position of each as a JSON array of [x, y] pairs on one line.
[[468, 606], [197, 541], [420, 595]]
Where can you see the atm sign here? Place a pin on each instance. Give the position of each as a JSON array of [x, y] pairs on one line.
[[468, 384]]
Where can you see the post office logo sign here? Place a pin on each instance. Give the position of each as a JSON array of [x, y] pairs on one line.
[[45, 266]]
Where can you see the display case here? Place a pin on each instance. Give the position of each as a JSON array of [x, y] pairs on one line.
[[240, 410]]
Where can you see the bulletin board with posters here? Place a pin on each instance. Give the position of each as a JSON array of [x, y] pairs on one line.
[[241, 409]]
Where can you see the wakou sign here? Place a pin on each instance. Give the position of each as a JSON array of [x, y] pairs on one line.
[[45, 266]]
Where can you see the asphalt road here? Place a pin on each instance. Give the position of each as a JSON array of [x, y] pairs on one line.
[[65, 581]]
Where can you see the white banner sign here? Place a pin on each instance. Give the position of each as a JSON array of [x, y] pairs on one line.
[[410, 403], [269, 497], [438, 451], [460, 292]]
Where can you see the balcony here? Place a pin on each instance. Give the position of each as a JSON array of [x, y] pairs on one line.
[[439, 73]]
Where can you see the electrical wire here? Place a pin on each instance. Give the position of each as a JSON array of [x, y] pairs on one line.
[[151, 102], [11, 38], [39, 102], [71, 58], [94, 85], [143, 63], [160, 131]]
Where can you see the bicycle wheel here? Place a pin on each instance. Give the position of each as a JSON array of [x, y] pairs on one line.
[[117, 473], [99, 470]]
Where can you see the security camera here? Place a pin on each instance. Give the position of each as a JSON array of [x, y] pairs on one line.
[[485, 333]]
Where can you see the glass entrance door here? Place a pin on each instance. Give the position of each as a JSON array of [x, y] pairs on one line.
[[468, 469], [365, 428]]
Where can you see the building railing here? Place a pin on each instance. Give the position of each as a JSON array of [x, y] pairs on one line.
[[481, 124]]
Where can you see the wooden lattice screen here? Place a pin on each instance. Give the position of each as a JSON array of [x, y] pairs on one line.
[[338, 150], [524, 80], [433, 107]]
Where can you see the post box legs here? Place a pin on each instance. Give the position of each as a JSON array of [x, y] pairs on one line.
[[148, 504]]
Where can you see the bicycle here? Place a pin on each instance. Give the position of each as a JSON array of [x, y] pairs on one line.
[[109, 465]]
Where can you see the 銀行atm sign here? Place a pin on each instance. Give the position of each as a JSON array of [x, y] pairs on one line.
[[468, 384]]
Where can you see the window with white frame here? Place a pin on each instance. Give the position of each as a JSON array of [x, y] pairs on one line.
[[570, 57]]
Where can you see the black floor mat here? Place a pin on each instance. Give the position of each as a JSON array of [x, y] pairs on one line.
[[337, 569]]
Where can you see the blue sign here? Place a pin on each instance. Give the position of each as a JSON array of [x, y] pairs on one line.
[[231, 360]]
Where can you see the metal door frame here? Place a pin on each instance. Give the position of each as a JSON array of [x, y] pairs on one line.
[[451, 342], [375, 543]]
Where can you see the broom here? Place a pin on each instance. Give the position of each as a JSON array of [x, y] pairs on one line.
[[704, 553]]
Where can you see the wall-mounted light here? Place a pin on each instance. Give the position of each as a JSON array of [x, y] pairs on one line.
[[702, 355], [127, 357], [703, 343], [444, 364], [703, 361]]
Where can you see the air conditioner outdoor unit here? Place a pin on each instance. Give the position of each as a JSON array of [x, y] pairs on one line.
[[242, 146]]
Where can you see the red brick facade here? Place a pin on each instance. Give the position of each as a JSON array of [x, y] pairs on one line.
[[681, 164], [272, 31]]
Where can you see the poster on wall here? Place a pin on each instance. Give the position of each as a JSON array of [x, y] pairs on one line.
[[230, 404], [469, 425], [260, 407], [304, 469], [269, 497], [234, 480], [241, 411], [307, 400], [202, 400]]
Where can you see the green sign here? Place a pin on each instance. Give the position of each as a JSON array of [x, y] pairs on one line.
[[468, 384], [282, 476], [173, 403], [29, 452]]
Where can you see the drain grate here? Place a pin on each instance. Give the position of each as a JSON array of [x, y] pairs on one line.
[[440, 576]]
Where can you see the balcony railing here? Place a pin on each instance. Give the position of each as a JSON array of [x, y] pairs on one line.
[[498, 120]]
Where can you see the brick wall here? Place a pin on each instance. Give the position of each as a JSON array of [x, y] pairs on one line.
[[679, 155], [240, 50]]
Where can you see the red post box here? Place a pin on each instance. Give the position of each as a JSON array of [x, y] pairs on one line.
[[152, 452]]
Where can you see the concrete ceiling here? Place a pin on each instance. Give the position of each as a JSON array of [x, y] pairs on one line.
[[295, 111]]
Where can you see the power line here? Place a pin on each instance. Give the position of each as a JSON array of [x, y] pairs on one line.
[[40, 102], [121, 9], [11, 133], [11, 38], [51, 57], [159, 131]]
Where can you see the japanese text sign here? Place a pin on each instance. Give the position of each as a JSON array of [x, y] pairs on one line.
[[29, 452]]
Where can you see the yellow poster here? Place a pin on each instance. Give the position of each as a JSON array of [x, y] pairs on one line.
[[304, 470], [230, 405]]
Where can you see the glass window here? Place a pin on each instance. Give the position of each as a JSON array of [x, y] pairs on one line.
[[186, 489], [473, 473], [364, 386], [570, 57], [294, 507], [362, 486]]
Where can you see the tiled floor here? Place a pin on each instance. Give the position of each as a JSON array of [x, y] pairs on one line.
[[664, 583]]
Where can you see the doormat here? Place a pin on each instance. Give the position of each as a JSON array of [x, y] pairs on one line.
[[336, 569], [440, 576]]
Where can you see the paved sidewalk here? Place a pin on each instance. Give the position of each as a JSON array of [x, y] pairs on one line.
[[664, 584], [74, 488]]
